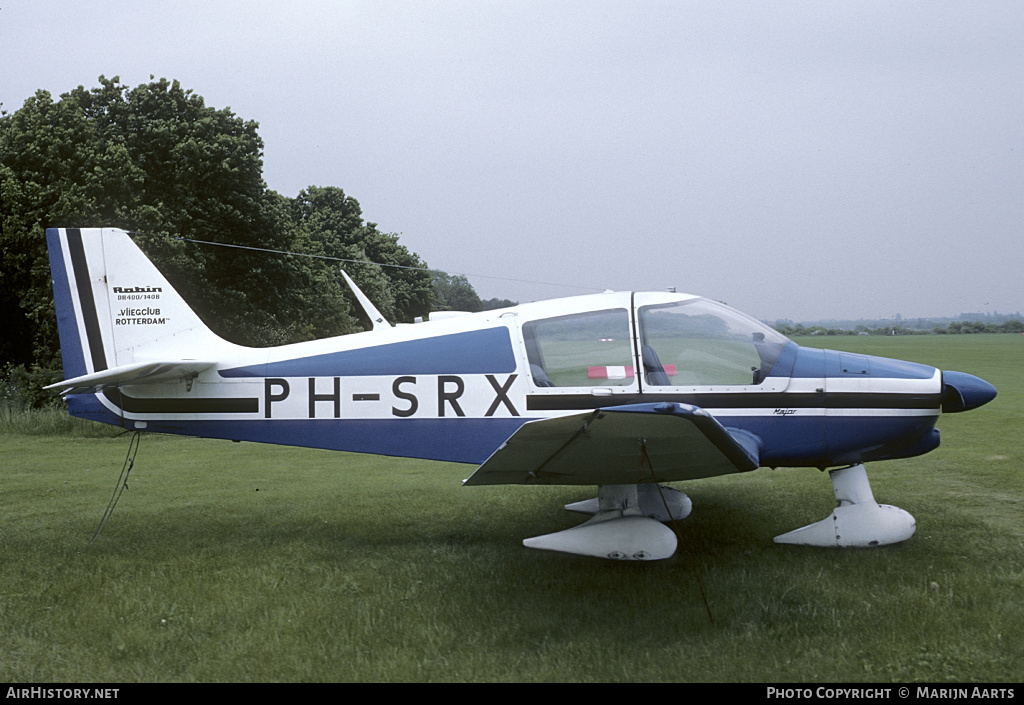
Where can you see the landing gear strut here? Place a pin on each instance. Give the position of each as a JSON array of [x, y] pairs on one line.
[[857, 521]]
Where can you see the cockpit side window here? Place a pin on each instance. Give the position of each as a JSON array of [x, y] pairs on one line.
[[699, 342], [589, 349]]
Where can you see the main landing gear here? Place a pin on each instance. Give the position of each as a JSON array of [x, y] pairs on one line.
[[627, 522]]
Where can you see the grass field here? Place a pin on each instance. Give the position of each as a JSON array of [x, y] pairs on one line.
[[249, 563]]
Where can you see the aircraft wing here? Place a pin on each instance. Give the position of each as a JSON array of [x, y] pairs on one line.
[[137, 373], [603, 447]]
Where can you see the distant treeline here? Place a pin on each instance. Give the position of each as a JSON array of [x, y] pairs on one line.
[[953, 328]]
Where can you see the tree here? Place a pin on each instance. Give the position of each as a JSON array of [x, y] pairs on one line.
[[154, 159], [491, 304], [330, 224], [38, 155], [453, 292]]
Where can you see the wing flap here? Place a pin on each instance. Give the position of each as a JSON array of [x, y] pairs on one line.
[[137, 373], [603, 447]]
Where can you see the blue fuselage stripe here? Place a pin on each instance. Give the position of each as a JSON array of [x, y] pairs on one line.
[[474, 352]]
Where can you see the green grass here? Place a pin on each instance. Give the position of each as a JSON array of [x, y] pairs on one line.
[[48, 422], [251, 563]]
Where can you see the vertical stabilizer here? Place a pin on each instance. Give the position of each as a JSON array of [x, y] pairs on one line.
[[115, 308]]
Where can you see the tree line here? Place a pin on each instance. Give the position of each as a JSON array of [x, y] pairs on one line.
[[952, 328], [155, 159]]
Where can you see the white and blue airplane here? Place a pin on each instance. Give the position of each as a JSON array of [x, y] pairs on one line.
[[622, 390]]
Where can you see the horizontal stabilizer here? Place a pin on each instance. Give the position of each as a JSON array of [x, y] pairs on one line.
[[603, 447], [137, 373]]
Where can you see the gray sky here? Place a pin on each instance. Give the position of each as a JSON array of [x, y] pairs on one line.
[[794, 159]]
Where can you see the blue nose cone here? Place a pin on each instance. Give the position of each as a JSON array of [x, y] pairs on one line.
[[963, 392]]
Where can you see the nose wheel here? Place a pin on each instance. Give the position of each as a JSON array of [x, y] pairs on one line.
[[858, 520]]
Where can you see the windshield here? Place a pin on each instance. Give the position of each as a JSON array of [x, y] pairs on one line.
[[700, 342]]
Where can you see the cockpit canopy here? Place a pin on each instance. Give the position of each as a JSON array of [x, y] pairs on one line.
[[686, 342], [708, 344]]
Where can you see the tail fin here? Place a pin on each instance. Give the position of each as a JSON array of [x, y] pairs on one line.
[[117, 314]]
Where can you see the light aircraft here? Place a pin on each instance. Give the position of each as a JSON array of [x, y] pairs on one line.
[[622, 390]]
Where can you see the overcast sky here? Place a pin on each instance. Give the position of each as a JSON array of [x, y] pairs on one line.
[[795, 159]]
